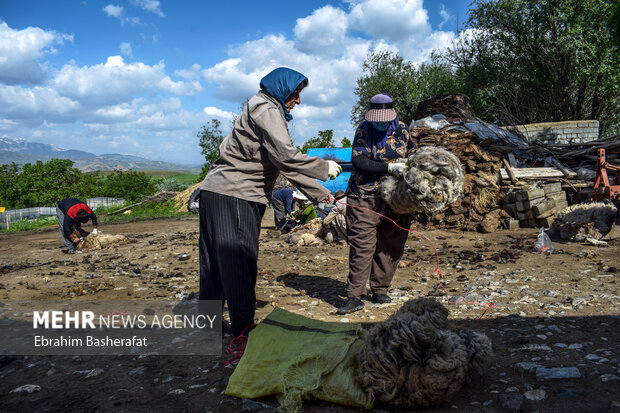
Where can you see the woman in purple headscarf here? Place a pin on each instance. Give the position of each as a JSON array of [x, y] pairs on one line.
[[376, 244]]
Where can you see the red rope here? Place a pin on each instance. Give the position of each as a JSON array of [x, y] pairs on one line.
[[236, 347], [437, 272]]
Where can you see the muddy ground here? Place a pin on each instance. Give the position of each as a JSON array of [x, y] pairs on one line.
[[556, 310]]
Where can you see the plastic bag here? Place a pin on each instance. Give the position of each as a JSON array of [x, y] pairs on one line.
[[544, 244]]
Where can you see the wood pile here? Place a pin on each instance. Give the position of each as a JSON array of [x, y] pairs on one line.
[[480, 208], [582, 155]]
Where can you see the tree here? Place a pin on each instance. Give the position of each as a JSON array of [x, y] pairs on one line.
[[210, 137], [345, 142], [46, 183], [324, 140], [528, 61], [131, 185], [9, 194], [386, 72]]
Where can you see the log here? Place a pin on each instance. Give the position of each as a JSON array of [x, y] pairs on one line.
[[532, 173]]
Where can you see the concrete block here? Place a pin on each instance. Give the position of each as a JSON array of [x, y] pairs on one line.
[[522, 216], [552, 188], [557, 196], [512, 197], [550, 213], [523, 223], [533, 194], [520, 206], [530, 214], [511, 209], [533, 202], [546, 222], [544, 206], [511, 224]]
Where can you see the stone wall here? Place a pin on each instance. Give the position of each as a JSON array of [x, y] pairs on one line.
[[574, 131]]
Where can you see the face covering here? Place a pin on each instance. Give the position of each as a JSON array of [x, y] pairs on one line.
[[381, 126]]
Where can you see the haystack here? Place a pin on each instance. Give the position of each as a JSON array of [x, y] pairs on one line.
[[181, 199]]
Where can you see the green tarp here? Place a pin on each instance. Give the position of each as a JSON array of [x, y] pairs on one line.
[[296, 358]]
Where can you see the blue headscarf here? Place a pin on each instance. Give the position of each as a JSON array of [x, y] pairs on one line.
[[375, 138], [281, 83]]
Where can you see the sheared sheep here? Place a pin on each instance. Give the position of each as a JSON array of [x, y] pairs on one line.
[[433, 180], [411, 360]]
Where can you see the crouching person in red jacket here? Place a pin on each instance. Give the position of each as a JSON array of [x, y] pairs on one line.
[[71, 214]]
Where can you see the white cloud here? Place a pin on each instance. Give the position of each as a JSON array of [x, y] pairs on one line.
[[115, 82], [113, 10], [20, 51], [445, 15], [126, 49], [322, 33], [118, 12], [213, 112], [149, 5]]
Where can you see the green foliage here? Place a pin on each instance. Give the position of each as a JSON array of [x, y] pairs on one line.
[[27, 225], [210, 137], [169, 184], [324, 140], [131, 185], [147, 211], [345, 142], [530, 61], [386, 72], [44, 183]]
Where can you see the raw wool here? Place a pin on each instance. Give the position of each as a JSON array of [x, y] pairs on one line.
[[100, 241], [307, 234], [433, 180], [411, 360], [581, 221]]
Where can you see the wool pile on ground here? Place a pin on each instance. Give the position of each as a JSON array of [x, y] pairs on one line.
[[100, 241], [579, 222], [433, 180], [307, 234], [413, 360]]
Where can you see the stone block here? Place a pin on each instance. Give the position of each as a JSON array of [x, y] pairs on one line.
[[523, 223], [550, 213], [530, 214], [511, 223], [522, 216], [520, 206]]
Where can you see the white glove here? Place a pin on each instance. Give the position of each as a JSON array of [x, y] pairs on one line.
[[334, 169], [397, 168], [95, 231]]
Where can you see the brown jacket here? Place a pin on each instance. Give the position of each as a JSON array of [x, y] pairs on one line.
[[257, 149]]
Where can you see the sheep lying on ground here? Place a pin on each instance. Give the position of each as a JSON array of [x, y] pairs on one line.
[[99, 241], [579, 222], [433, 180], [307, 234], [411, 360]]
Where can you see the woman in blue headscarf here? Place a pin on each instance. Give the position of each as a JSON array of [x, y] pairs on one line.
[[375, 244], [236, 190]]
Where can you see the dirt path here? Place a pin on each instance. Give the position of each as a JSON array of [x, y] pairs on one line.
[[558, 310]]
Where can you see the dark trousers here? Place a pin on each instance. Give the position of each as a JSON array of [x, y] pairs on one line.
[[229, 230], [279, 212], [375, 245]]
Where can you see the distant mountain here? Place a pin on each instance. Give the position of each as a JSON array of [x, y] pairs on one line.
[[22, 151]]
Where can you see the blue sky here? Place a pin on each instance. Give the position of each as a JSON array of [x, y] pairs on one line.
[[141, 77]]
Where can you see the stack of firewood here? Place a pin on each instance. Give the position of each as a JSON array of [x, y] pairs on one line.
[[480, 208]]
